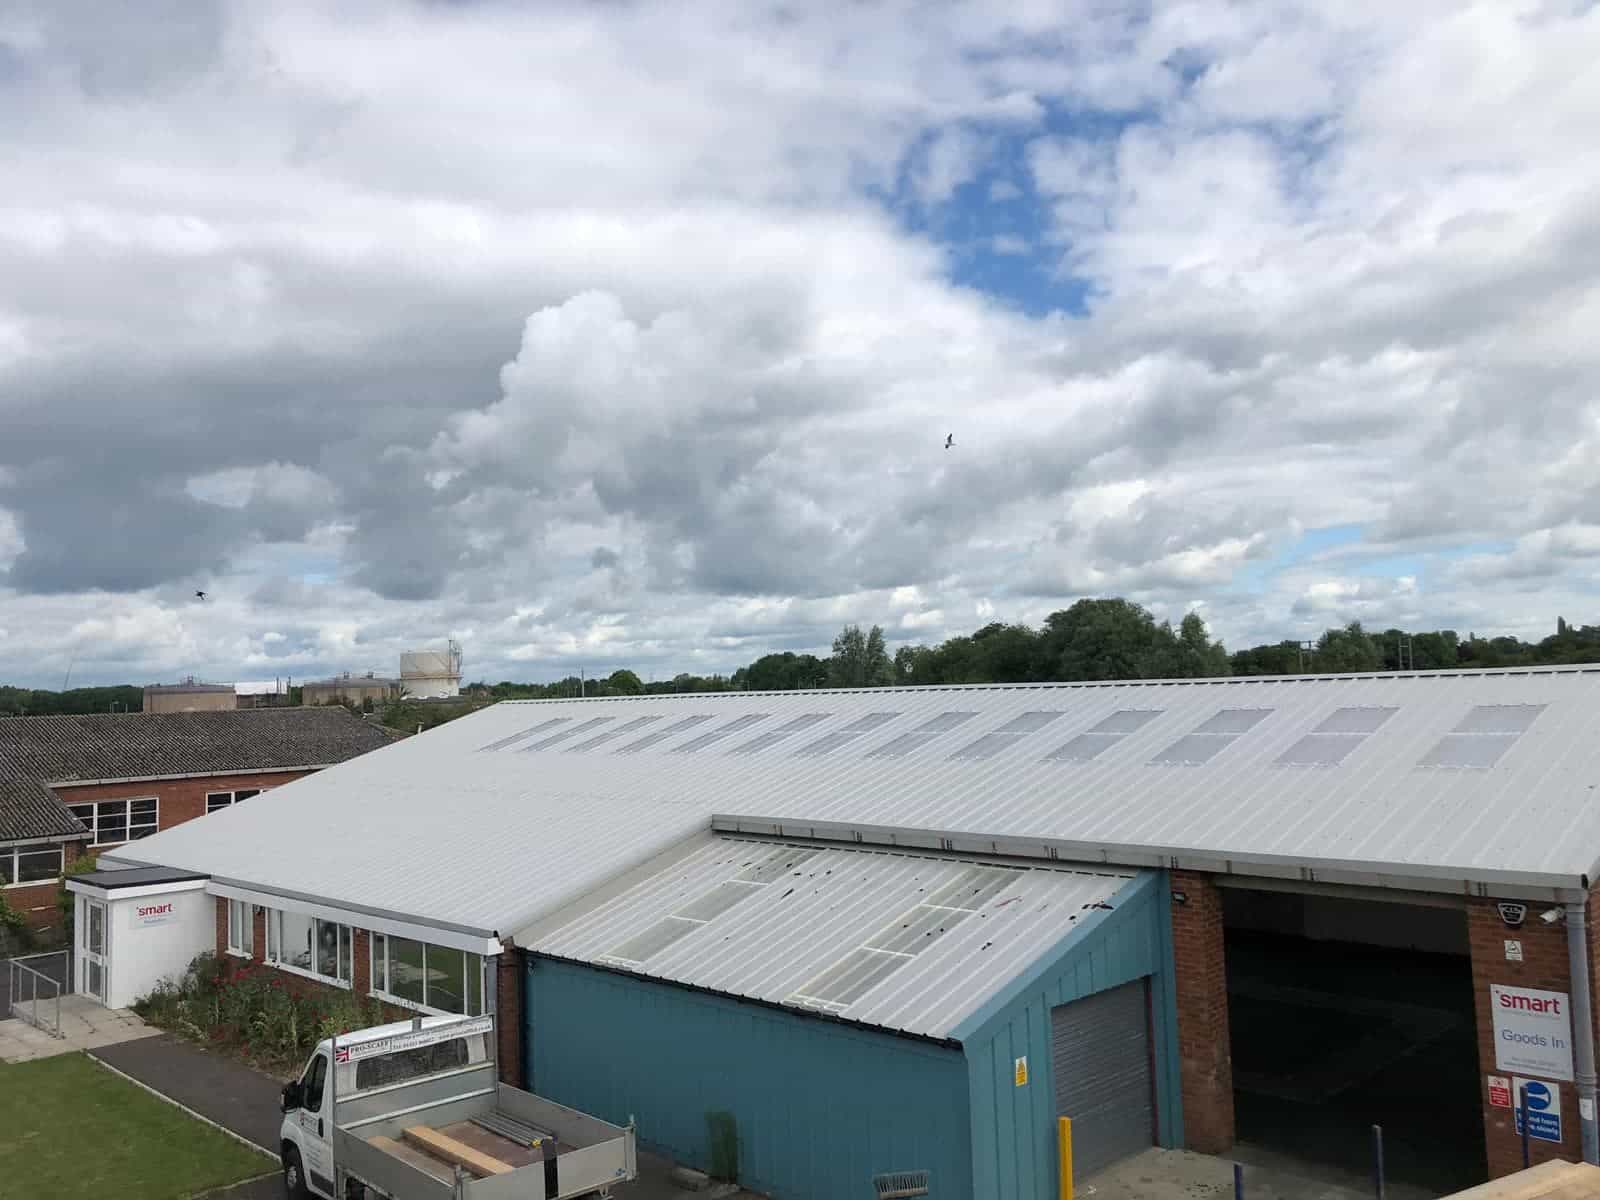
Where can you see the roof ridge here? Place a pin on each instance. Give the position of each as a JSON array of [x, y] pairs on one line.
[[1072, 684]]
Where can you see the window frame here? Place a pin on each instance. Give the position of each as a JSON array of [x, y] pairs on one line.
[[243, 945], [13, 853], [379, 971], [344, 948], [233, 797], [94, 820]]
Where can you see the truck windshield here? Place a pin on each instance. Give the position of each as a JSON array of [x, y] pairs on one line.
[[405, 1065]]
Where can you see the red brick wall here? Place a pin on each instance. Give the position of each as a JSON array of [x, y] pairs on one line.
[[1205, 1061], [1543, 966], [508, 1013], [179, 800]]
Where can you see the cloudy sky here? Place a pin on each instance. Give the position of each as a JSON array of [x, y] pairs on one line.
[[630, 334]]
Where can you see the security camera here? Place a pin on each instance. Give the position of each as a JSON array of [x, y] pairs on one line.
[[1551, 915]]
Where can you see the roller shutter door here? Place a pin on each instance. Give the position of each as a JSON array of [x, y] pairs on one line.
[[1100, 1052]]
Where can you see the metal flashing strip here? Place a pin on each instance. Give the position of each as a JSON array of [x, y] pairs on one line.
[[1424, 877]]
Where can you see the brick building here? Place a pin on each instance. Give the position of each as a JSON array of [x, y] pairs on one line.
[[933, 920], [72, 786]]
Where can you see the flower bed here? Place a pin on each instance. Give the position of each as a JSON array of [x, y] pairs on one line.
[[254, 1012]]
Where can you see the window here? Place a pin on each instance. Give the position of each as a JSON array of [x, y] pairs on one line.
[[241, 929], [1018, 727], [28, 864], [423, 975], [312, 1084], [112, 822], [1340, 732], [309, 944], [921, 735], [383, 1070], [216, 800]]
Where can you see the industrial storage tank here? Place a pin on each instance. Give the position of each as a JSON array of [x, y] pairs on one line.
[[431, 674]]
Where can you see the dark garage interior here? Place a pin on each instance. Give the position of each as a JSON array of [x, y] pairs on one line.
[[1331, 1036]]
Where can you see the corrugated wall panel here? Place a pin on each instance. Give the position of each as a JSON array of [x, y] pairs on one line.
[[1014, 1128], [820, 1106]]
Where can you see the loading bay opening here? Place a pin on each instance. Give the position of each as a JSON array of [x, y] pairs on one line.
[[1349, 1013]]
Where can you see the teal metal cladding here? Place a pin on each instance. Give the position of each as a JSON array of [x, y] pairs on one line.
[[821, 1106], [1014, 1128]]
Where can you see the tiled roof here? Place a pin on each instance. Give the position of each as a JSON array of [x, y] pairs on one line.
[[38, 751]]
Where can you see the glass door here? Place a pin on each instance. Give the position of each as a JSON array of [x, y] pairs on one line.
[[92, 949]]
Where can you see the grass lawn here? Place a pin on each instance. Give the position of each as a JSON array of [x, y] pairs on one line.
[[71, 1129]]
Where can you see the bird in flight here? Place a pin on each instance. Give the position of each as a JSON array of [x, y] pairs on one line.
[[199, 595], [949, 440]]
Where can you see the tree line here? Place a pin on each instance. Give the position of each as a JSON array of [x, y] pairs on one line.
[[1092, 640]]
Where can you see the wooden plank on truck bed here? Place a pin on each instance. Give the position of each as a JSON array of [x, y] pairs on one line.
[[453, 1150], [1554, 1180], [414, 1157]]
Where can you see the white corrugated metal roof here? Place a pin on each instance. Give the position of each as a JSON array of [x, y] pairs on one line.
[[928, 957], [443, 828]]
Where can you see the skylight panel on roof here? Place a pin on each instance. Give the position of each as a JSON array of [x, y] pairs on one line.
[[1103, 735], [849, 979], [839, 737], [545, 744], [775, 866], [1474, 751], [995, 741], [1234, 720], [526, 733], [1192, 749], [897, 943], [788, 729], [1482, 736], [1084, 747], [600, 739], [708, 906], [1127, 720], [663, 734], [1331, 742], [712, 736], [1321, 749], [1211, 737], [1500, 718], [921, 735], [1355, 720]]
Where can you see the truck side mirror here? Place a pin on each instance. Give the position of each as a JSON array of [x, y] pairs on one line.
[[293, 1096]]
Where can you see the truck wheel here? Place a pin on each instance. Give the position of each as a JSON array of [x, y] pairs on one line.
[[294, 1176]]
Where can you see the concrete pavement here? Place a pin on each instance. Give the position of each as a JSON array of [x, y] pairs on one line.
[[85, 1025]]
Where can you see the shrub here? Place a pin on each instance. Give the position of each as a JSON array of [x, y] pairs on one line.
[[14, 929], [81, 865], [256, 1011]]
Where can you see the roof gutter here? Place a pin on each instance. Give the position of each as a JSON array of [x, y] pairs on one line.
[[1408, 876], [71, 783], [380, 920]]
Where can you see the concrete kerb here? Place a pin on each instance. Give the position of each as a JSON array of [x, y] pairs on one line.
[[240, 1138]]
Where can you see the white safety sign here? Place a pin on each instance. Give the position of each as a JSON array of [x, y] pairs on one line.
[[1532, 1031], [412, 1040]]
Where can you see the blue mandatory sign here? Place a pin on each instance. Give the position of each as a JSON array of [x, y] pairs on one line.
[[1544, 1109]]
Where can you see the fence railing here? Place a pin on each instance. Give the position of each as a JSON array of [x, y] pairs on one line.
[[34, 990]]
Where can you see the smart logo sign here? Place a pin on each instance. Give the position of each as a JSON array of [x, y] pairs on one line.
[[155, 912], [1532, 1031]]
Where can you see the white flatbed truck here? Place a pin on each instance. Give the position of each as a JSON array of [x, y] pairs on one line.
[[416, 1111]]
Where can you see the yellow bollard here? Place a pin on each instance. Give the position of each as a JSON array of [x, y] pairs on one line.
[[1064, 1146]]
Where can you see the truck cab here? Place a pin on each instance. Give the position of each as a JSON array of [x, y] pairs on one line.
[[414, 1111]]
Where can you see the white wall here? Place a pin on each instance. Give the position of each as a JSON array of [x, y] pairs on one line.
[[140, 954]]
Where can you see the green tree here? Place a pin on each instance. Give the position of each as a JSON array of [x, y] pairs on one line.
[[860, 659], [624, 683], [1105, 639], [1199, 657], [1348, 649]]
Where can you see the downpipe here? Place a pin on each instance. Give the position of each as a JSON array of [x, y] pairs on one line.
[[1583, 1027]]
